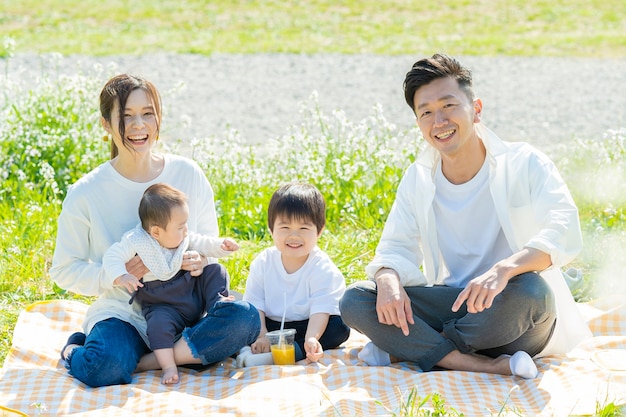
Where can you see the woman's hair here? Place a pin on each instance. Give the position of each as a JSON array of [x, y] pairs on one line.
[[297, 202], [438, 66], [157, 204], [117, 90]]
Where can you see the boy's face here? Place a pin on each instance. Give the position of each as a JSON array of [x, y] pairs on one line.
[[295, 238], [176, 231]]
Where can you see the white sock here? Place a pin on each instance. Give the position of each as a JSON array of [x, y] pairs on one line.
[[374, 356], [522, 365], [258, 359], [241, 356]]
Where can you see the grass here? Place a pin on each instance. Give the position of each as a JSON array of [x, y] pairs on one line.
[[585, 28]]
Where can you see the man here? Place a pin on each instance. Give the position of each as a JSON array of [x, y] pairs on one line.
[[466, 274]]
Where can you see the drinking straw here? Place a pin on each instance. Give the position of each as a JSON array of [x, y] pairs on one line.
[[281, 340]]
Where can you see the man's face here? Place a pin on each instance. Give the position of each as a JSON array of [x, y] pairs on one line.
[[446, 116]]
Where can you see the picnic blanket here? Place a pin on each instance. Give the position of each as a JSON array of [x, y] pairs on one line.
[[34, 382]]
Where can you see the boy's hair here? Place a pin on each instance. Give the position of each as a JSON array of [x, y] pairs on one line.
[[438, 66], [297, 202], [157, 204]]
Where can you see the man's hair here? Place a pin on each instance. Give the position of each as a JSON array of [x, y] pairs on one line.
[[295, 201], [438, 66], [157, 204]]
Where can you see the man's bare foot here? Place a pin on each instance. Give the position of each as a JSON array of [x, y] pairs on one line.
[[169, 376]]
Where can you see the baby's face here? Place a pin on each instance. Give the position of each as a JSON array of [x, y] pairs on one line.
[[176, 230]]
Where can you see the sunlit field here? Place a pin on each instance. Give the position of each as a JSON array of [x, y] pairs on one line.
[[50, 133], [50, 136]]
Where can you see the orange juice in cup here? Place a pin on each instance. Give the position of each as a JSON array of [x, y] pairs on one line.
[[281, 343], [283, 354]]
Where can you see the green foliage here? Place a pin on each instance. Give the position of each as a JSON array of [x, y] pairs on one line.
[[610, 410], [595, 170], [48, 134], [356, 166], [432, 405], [481, 27]]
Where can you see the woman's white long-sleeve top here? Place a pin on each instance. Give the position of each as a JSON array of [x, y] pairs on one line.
[[533, 205], [98, 209]]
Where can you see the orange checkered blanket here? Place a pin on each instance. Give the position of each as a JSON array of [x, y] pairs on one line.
[[32, 380]]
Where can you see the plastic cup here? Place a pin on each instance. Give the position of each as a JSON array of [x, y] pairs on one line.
[[281, 343]]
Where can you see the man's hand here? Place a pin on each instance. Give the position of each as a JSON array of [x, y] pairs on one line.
[[393, 305], [480, 292]]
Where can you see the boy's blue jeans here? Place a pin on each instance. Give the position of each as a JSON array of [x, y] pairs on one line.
[[113, 347], [522, 317]]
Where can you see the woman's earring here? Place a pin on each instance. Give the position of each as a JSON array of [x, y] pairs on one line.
[[105, 137]]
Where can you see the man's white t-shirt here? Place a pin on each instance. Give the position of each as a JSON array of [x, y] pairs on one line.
[[470, 237]]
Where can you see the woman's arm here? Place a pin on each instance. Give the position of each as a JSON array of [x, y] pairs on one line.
[[72, 269]]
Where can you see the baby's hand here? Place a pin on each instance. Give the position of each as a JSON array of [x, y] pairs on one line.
[[313, 349], [261, 345], [128, 281], [229, 245]]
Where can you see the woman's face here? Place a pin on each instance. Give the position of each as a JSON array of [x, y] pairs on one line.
[[141, 124]]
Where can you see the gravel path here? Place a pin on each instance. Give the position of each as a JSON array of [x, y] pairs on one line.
[[540, 100]]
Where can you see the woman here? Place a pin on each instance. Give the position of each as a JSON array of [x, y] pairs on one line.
[[96, 212]]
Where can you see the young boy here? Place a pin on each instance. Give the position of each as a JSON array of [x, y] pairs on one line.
[[297, 271], [170, 298]]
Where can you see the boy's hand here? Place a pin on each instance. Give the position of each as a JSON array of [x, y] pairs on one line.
[[313, 349], [261, 345], [128, 281], [229, 245]]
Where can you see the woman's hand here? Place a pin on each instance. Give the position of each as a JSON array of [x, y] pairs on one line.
[[194, 263], [136, 267]]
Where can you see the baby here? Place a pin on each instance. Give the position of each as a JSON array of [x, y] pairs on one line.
[[170, 298]]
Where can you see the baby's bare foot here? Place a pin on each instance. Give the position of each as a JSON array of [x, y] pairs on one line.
[[169, 376]]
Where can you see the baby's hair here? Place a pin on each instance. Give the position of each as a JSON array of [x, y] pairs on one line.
[[157, 204], [297, 201]]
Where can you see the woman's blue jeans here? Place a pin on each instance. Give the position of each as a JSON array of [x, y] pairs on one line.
[[113, 347], [522, 317]]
